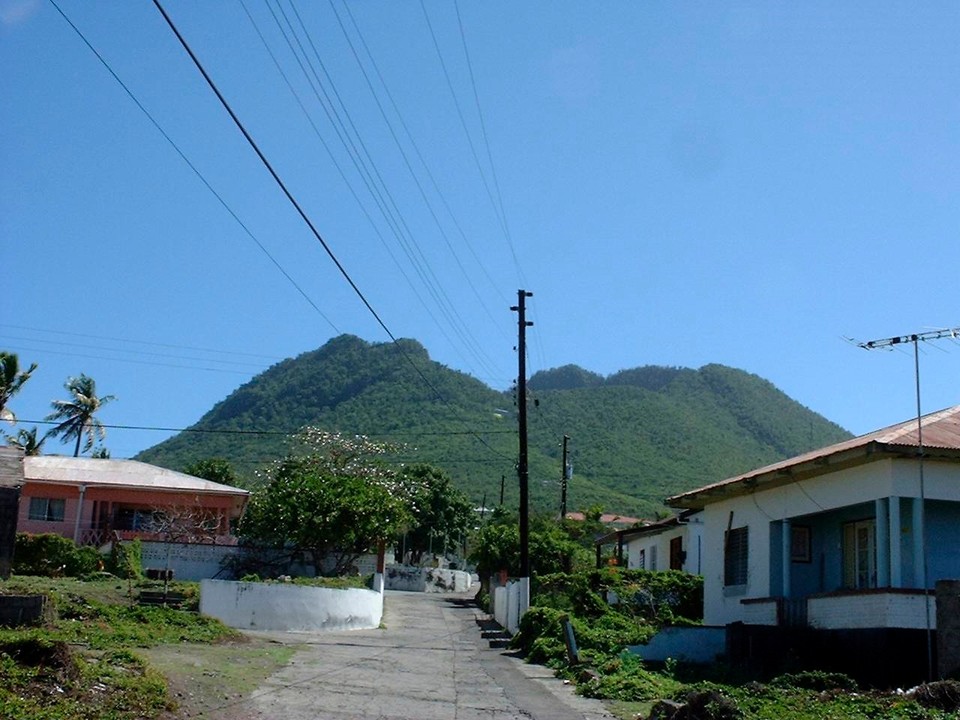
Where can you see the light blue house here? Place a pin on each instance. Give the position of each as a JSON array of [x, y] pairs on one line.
[[850, 536]]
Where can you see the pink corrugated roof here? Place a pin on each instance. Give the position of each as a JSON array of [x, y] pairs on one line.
[[941, 431]]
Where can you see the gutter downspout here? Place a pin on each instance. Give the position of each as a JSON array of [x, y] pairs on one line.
[[76, 526]]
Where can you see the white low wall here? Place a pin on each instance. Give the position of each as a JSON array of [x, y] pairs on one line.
[[431, 580], [296, 608], [193, 561], [689, 644], [759, 612], [871, 610], [506, 606]]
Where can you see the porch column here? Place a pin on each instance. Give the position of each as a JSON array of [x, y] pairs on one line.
[[883, 542], [896, 556], [785, 543], [918, 543]]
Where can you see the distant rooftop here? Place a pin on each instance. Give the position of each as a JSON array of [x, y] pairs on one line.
[[606, 518]]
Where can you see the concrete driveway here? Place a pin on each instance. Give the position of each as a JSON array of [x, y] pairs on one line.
[[428, 663]]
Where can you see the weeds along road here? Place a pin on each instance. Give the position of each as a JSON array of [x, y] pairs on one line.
[[428, 663]]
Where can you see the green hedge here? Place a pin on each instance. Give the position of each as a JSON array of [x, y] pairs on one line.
[[52, 555]]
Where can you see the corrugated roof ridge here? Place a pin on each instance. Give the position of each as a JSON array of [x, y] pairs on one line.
[[895, 432], [887, 435]]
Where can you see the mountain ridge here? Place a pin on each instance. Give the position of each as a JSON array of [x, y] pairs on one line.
[[638, 435]]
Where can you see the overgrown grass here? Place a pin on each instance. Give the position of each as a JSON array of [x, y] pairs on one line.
[[83, 664]]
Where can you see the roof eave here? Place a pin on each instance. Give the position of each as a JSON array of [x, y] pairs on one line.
[[779, 477]]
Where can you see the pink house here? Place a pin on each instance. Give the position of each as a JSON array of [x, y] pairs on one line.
[[93, 501]]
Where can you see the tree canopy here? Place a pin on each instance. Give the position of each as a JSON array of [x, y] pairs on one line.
[[214, 469], [307, 508], [441, 515], [332, 500], [12, 379], [77, 415]]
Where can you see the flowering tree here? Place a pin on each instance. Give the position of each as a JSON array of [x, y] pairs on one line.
[[335, 500]]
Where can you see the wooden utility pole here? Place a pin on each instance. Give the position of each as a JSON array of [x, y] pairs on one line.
[[523, 472], [564, 476]]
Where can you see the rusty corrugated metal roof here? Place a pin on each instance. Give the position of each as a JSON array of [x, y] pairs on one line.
[[941, 431]]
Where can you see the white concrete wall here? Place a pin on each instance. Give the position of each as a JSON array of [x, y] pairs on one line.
[[871, 610], [432, 580], [188, 561], [296, 608], [759, 613], [689, 644], [691, 532], [506, 606]]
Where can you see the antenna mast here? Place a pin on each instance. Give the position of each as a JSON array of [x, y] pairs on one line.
[[886, 344]]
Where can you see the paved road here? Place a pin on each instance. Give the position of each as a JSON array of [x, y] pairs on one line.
[[429, 663]]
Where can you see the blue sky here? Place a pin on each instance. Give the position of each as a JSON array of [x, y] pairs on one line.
[[677, 183]]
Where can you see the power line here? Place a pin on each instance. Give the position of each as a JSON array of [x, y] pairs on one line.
[[23, 348], [302, 213], [486, 142], [286, 433], [43, 341], [194, 168], [406, 159], [336, 162], [402, 231], [272, 358]]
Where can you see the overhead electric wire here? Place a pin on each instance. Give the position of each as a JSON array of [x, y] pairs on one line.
[[416, 148], [340, 170], [279, 181], [370, 178], [432, 282], [408, 164], [41, 351], [284, 433], [486, 142], [260, 366], [463, 122], [272, 358], [194, 168]]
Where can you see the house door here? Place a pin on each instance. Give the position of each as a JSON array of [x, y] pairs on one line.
[[860, 554]]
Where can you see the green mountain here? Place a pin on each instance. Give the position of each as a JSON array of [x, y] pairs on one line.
[[636, 436]]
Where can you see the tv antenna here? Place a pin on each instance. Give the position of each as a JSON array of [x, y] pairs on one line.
[[889, 344]]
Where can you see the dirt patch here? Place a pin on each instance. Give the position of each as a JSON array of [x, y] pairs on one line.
[[215, 681]]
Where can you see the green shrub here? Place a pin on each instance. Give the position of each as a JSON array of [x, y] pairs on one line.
[[52, 555], [537, 623], [817, 680], [624, 678], [126, 560]]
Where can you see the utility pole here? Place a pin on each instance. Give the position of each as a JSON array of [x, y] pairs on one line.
[[564, 476], [916, 339], [523, 472], [503, 481]]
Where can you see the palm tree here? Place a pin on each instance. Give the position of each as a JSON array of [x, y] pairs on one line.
[[76, 415], [27, 441], [11, 380]]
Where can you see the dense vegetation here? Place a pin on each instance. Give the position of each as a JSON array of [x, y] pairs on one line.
[[637, 436], [611, 609]]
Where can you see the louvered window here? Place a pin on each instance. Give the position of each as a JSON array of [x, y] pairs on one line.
[[736, 543]]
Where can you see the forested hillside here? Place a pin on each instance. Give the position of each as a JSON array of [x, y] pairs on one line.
[[636, 436]]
